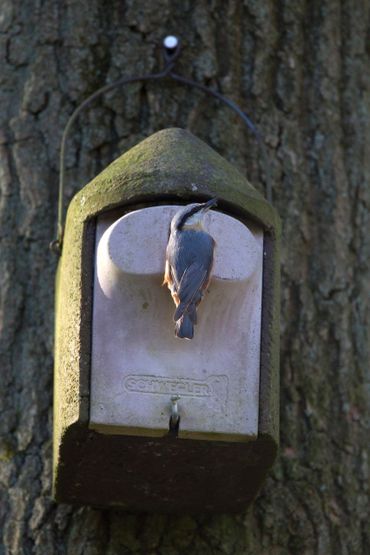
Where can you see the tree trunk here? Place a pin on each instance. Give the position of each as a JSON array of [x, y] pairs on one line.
[[300, 69]]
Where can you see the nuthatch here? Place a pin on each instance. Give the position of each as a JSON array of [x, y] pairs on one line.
[[189, 260]]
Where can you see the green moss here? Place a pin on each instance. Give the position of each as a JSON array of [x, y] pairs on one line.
[[171, 163]]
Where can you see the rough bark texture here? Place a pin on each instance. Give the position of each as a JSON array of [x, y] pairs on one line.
[[300, 68]]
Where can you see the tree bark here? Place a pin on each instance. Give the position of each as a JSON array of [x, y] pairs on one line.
[[300, 69]]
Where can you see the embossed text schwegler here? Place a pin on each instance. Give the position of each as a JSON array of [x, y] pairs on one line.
[[214, 386]]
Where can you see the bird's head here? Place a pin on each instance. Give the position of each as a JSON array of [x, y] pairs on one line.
[[191, 216]]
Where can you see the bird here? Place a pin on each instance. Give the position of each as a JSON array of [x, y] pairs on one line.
[[189, 261]]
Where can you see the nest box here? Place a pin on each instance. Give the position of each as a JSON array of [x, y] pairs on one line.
[[118, 365]]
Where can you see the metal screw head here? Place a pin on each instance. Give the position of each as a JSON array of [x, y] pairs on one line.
[[170, 42]]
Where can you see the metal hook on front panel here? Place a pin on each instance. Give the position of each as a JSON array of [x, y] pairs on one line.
[[175, 416]]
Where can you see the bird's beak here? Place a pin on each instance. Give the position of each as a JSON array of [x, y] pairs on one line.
[[207, 205]]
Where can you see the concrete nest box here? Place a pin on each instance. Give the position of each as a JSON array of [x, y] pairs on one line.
[[118, 365]]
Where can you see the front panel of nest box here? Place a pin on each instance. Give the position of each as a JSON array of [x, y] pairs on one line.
[[138, 364]]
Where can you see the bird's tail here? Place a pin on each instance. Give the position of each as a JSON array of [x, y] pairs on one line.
[[187, 308], [184, 328]]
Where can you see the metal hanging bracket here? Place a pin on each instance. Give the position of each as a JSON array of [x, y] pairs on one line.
[[171, 52]]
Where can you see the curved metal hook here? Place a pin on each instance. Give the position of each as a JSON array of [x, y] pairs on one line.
[[175, 416], [171, 52]]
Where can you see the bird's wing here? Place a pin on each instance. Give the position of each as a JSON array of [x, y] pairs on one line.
[[191, 283]]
